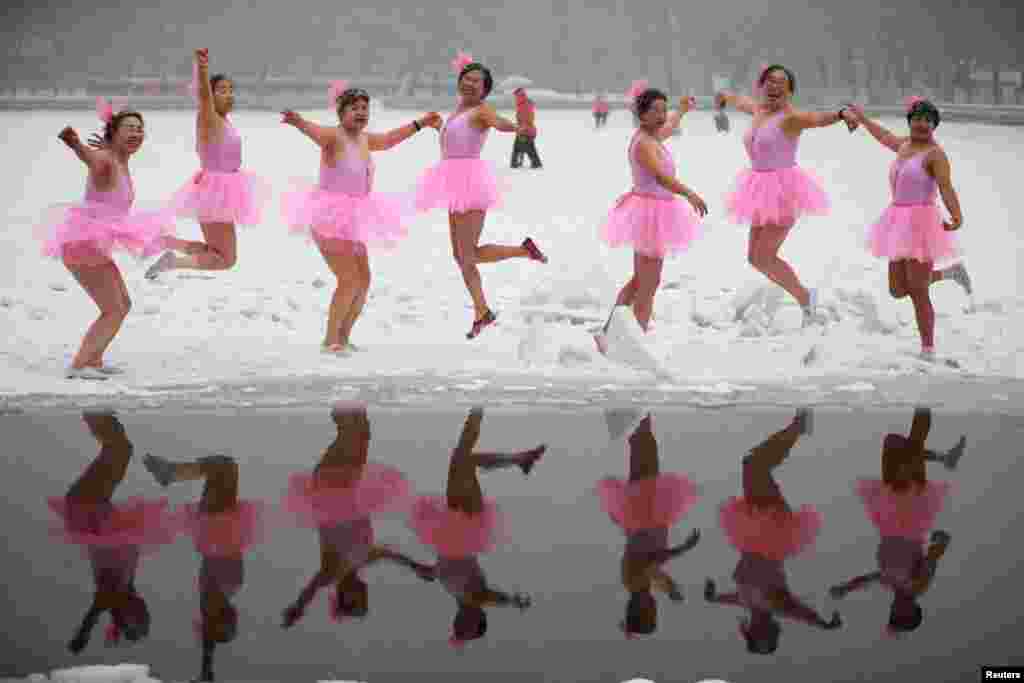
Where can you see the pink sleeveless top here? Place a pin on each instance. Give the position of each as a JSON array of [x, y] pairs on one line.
[[911, 185], [224, 156], [644, 182], [460, 140], [119, 199], [350, 175], [768, 147]]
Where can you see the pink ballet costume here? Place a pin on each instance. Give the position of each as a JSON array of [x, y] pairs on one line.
[[313, 500], [344, 208], [461, 181], [770, 532], [103, 223], [774, 191], [911, 227], [908, 514], [225, 534], [453, 533], [221, 191], [655, 221], [145, 525], [651, 503]]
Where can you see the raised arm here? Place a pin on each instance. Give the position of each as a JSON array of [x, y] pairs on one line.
[[675, 118], [470, 431], [793, 608], [97, 160], [878, 132], [939, 166], [206, 114], [491, 119], [380, 142], [323, 136], [742, 103]]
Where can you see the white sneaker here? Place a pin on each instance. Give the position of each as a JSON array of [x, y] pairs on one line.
[[85, 373], [162, 264], [958, 274]]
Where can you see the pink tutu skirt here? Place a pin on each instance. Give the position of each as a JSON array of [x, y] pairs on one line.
[[314, 501], [147, 524], [655, 227], [88, 233], [909, 514], [376, 219], [770, 533], [777, 197], [225, 534], [453, 533], [647, 503], [912, 232], [459, 185], [214, 197]]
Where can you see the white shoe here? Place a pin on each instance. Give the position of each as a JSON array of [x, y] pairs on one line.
[[958, 274], [162, 264], [110, 370], [85, 373], [927, 354], [810, 311]]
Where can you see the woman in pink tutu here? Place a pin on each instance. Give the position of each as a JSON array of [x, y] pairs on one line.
[[646, 507], [85, 235], [467, 187], [221, 194], [766, 531], [342, 213], [903, 506], [650, 217], [113, 535], [775, 192], [338, 499], [911, 233], [464, 524], [600, 111], [223, 529]]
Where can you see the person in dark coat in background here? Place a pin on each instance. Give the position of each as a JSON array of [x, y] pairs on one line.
[[524, 143]]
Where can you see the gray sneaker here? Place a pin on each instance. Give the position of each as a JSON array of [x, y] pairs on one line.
[[162, 264], [951, 457], [958, 274], [161, 469]]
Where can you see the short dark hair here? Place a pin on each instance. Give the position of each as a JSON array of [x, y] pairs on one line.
[[645, 100], [477, 66], [110, 127], [778, 67]]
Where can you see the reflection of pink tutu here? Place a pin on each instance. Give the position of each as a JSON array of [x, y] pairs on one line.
[[89, 232], [776, 197], [376, 219], [453, 533], [910, 514], [148, 524], [215, 197], [459, 185], [314, 501], [769, 532], [911, 231], [647, 503], [225, 534], [654, 226]]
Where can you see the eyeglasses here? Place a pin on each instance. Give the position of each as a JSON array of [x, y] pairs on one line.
[[355, 93]]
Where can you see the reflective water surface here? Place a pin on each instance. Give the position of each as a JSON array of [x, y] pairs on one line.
[[376, 544]]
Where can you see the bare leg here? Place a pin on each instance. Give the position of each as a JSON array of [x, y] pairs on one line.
[[362, 281], [647, 278], [220, 252], [465, 230], [105, 286], [763, 254], [759, 485], [107, 470], [643, 452], [918, 280], [343, 260]]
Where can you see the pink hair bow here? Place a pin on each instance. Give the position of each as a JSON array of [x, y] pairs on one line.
[[461, 60], [636, 88], [104, 110], [911, 101], [334, 91]]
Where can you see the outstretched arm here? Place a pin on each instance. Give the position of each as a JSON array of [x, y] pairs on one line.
[[878, 132], [939, 165], [675, 118], [321, 135], [838, 592], [822, 119], [97, 160], [742, 103], [380, 142]]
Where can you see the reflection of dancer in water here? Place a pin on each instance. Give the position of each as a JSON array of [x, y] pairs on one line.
[[767, 531], [113, 535], [338, 499], [464, 524], [645, 507], [903, 506], [223, 528]]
